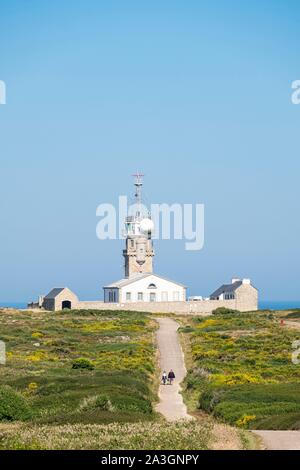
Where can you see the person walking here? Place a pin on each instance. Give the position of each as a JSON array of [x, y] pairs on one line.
[[171, 377], [164, 377]]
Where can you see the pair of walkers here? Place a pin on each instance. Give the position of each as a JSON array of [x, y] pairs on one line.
[[168, 378]]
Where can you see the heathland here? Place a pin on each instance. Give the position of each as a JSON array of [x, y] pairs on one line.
[[241, 369], [89, 380]]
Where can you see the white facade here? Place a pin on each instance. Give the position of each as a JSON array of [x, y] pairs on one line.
[[145, 288]]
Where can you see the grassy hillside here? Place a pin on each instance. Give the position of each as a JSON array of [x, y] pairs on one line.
[[242, 371], [88, 380], [81, 366]]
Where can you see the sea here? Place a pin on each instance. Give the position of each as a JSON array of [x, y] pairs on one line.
[[263, 305], [279, 304], [19, 305]]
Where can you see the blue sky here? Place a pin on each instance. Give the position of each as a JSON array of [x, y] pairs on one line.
[[197, 95]]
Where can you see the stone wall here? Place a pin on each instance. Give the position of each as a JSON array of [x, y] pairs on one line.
[[246, 299], [204, 307]]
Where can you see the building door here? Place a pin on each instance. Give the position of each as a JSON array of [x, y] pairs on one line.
[[66, 304], [176, 296]]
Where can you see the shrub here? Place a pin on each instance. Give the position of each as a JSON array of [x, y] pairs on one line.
[[224, 311], [13, 406], [33, 386], [37, 334], [295, 314], [83, 363], [133, 404], [103, 402], [245, 420], [209, 399]]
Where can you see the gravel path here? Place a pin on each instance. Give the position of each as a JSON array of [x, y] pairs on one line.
[[171, 404], [293, 324], [280, 440]]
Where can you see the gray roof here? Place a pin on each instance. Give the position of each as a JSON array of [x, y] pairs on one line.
[[137, 277], [227, 288], [54, 292], [126, 281]]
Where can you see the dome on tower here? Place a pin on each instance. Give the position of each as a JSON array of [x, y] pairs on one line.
[[147, 225]]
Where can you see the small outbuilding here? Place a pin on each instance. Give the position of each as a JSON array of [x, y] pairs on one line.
[[60, 298]]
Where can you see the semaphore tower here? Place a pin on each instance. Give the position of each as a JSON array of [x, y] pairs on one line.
[[139, 252]]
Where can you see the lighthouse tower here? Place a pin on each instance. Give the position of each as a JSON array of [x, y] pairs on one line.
[[138, 253]]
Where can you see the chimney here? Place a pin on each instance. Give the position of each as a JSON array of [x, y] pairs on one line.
[[234, 280], [247, 281]]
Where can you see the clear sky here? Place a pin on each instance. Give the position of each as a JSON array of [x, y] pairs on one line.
[[196, 94]]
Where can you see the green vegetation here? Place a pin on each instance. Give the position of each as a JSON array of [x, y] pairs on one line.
[[82, 363], [88, 380], [224, 311], [242, 370], [295, 314], [77, 367], [13, 405], [136, 436]]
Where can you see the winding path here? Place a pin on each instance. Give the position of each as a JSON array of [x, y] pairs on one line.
[[171, 404], [280, 440]]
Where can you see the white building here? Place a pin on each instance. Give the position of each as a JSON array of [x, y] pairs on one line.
[[144, 287]]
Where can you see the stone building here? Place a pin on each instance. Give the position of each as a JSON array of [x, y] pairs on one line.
[[60, 298], [241, 291]]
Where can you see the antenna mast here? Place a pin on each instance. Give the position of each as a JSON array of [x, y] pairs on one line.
[[138, 193]]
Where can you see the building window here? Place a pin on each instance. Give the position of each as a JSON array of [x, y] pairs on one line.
[[229, 296], [176, 296], [128, 296], [164, 296], [140, 296], [152, 297], [132, 243], [152, 286], [112, 296]]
